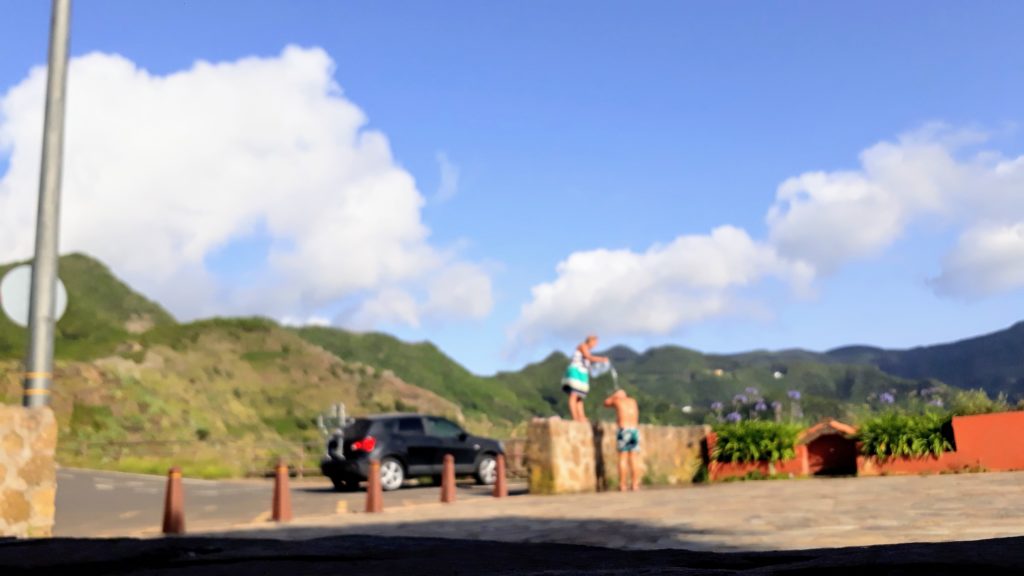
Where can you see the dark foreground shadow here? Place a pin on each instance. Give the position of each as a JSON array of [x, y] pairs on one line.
[[313, 552]]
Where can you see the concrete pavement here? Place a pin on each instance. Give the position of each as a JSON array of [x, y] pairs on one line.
[[741, 516]]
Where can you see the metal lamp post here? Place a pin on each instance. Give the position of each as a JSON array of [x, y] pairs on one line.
[[42, 304]]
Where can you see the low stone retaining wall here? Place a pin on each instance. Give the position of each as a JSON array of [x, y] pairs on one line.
[[566, 457], [668, 454], [560, 456], [28, 477]]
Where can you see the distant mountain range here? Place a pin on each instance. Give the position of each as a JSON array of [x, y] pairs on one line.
[[993, 362], [126, 363]]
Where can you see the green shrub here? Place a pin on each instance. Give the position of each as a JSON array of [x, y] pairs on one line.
[[895, 434], [968, 402], [755, 441]]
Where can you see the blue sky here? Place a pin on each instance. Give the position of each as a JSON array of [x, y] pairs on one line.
[[580, 126]]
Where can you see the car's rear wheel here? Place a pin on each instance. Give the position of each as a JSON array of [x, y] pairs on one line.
[[392, 474], [486, 470]]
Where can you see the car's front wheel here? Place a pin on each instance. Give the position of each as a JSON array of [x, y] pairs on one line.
[[487, 470], [392, 474]]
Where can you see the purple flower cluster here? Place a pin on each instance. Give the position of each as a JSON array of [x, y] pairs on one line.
[[716, 406], [761, 406], [794, 394], [777, 405], [733, 417], [739, 399], [752, 391], [886, 398]]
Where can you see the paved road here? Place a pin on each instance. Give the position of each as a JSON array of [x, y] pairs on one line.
[[740, 516], [96, 503]]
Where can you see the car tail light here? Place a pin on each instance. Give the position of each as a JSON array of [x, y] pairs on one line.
[[365, 445]]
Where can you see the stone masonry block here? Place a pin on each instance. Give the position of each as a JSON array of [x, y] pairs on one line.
[[28, 477]]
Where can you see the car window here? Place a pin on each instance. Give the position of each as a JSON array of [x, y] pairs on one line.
[[410, 426], [444, 428], [357, 429]]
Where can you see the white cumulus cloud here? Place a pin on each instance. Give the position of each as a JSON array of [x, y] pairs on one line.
[[460, 288], [387, 307], [830, 218], [987, 260], [657, 291], [313, 320], [162, 171], [818, 222]]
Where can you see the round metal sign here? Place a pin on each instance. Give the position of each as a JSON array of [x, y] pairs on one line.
[[15, 290]]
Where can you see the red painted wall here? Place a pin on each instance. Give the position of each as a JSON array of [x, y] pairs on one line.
[[993, 442], [722, 470], [947, 462]]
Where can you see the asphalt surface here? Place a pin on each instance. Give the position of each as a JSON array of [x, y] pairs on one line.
[[93, 503]]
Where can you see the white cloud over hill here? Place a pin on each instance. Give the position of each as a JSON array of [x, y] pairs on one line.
[[164, 171], [819, 222]]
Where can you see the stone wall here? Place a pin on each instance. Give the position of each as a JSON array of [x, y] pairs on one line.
[[668, 454], [560, 456], [28, 477], [565, 457]]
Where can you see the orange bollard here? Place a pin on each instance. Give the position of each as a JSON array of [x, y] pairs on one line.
[[282, 507], [448, 480], [374, 494], [174, 504], [500, 485]]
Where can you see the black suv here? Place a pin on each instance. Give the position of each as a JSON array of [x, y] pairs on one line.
[[407, 445]]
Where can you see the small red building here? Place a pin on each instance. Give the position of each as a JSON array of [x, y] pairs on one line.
[[825, 449], [830, 449]]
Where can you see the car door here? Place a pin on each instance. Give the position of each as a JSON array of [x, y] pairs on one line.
[[454, 441], [421, 449]]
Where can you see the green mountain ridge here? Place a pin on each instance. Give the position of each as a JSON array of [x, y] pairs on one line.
[[102, 312], [992, 362], [122, 360]]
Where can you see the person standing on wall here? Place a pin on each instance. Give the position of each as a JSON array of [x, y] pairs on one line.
[[627, 440], [576, 382]]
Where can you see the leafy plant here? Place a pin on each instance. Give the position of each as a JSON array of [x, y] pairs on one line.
[[755, 441], [895, 434], [968, 402]]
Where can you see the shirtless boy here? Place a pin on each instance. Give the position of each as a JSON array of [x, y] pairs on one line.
[[627, 415]]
